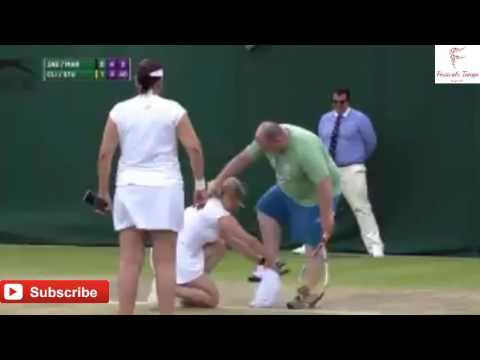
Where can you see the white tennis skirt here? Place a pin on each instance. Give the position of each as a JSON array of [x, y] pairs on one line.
[[149, 208]]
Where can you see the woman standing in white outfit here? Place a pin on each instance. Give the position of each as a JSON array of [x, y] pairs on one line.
[[149, 198]]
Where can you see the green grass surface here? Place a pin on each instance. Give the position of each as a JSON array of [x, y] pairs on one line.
[[346, 271], [391, 272]]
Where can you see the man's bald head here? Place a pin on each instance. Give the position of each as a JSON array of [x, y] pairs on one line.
[[269, 131], [271, 137]]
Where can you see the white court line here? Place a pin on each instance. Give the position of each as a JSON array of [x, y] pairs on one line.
[[139, 303], [312, 312], [282, 311]]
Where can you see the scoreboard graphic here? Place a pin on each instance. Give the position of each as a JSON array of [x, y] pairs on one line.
[[93, 69]]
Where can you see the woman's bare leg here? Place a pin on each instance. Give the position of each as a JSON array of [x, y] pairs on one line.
[[132, 253], [164, 260], [214, 253], [201, 293]]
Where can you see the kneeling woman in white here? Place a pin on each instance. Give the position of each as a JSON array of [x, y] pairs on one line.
[[203, 242], [149, 196]]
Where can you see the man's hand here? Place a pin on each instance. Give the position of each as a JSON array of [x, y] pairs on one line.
[[328, 226], [235, 167], [214, 188], [327, 220]]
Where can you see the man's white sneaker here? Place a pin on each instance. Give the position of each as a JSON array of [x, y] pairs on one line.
[[300, 251], [377, 252]]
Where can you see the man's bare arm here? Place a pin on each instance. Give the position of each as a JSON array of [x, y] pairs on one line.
[[325, 201], [235, 167]]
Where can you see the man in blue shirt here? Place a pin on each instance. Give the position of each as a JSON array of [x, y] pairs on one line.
[[351, 140]]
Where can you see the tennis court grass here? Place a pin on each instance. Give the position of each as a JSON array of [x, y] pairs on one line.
[[346, 271]]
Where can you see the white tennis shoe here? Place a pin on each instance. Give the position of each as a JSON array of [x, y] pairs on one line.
[[377, 252], [300, 251]]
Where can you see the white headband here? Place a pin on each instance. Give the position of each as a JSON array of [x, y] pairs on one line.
[[157, 74]]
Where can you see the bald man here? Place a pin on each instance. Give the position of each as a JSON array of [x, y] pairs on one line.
[[304, 198]]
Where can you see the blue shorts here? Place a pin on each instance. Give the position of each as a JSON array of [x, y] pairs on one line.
[[303, 221]]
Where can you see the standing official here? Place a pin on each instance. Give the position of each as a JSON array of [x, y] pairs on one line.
[[351, 140]]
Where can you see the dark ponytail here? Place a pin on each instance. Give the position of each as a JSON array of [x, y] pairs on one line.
[[145, 81]]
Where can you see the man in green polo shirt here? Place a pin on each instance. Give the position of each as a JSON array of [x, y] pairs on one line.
[[304, 198]]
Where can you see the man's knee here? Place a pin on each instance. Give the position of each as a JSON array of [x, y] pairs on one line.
[[265, 219]]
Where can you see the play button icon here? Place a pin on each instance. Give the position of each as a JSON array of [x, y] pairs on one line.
[[13, 292]]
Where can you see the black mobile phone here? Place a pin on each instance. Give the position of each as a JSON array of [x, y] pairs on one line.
[[93, 200]]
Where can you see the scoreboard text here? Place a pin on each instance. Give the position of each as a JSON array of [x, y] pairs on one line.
[[87, 69]]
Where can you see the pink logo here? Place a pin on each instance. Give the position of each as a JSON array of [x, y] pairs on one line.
[[454, 57]]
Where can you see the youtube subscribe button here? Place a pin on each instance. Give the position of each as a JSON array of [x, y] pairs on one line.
[[54, 292]]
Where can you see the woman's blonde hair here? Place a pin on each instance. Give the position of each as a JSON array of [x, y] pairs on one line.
[[232, 185]]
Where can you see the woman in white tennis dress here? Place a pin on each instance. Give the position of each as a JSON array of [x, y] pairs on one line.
[[202, 244], [149, 198]]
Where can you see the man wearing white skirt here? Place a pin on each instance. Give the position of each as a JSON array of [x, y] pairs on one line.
[[350, 137]]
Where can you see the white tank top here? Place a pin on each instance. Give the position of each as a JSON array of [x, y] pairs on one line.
[[201, 227], [147, 127]]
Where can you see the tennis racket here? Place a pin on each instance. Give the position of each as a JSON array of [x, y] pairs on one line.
[[323, 254]]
